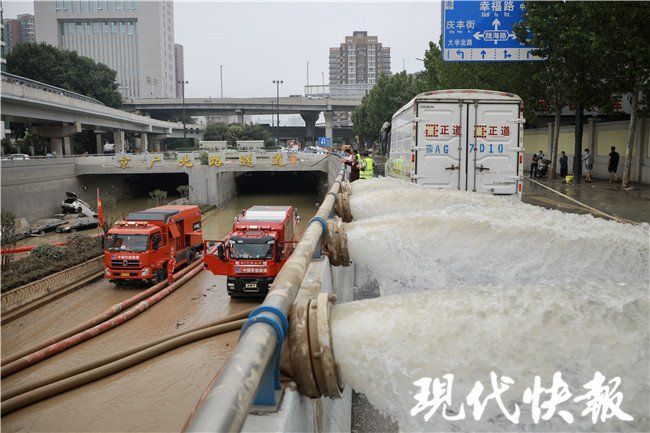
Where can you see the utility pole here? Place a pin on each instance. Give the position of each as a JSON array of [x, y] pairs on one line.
[[308, 72], [277, 103], [221, 79], [183, 82], [323, 80]]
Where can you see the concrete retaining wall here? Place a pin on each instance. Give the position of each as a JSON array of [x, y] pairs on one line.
[[52, 283], [598, 137], [34, 189]]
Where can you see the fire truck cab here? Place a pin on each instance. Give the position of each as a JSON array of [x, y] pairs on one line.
[[144, 245], [251, 256]]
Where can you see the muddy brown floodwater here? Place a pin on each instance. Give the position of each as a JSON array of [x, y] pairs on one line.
[[156, 395]]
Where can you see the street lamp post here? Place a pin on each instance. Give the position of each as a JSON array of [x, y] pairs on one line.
[[308, 72], [221, 79], [183, 82], [277, 103]]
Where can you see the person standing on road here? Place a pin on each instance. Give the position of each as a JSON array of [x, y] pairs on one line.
[[564, 166], [588, 160], [367, 171], [351, 161], [533, 166], [612, 164]]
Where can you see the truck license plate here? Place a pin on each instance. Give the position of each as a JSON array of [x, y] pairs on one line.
[[251, 285], [124, 274]]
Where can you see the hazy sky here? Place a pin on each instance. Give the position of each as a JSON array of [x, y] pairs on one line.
[[258, 42]]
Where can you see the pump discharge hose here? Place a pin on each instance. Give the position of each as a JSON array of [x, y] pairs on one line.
[[115, 309], [80, 337], [39, 383], [73, 381]]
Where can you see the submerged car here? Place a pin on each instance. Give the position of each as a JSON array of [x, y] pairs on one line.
[[78, 224], [46, 225], [73, 204]]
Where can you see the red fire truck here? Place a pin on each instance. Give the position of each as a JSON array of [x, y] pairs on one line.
[[261, 241], [144, 245]]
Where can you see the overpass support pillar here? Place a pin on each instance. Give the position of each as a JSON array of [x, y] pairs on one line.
[[329, 131], [57, 146], [118, 138], [99, 143], [310, 119], [155, 142], [144, 142], [240, 116], [67, 148]]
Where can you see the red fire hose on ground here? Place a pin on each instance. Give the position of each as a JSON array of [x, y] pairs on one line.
[[97, 325]]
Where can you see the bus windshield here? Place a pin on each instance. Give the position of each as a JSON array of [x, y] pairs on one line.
[[134, 243], [251, 251]]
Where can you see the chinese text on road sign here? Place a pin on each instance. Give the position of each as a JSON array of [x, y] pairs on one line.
[[475, 31]]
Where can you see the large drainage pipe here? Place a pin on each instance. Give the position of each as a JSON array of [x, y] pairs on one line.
[[311, 355], [225, 404], [89, 333], [101, 317], [107, 367]]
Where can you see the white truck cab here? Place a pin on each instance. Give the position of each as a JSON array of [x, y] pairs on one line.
[[469, 140]]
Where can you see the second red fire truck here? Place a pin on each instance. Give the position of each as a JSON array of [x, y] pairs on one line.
[[252, 254]]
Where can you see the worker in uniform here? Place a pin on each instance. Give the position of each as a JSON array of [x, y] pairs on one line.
[[367, 172]]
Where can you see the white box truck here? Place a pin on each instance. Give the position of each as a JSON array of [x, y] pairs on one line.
[[469, 140]]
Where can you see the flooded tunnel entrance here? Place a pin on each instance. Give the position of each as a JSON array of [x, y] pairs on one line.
[[280, 182], [302, 190]]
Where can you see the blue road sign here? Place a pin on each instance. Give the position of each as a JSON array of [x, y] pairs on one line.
[[324, 141], [483, 31]]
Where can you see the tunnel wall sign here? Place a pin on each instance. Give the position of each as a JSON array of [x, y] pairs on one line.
[[483, 31]]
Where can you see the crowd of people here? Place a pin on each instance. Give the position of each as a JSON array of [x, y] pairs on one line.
[[539, 165], [360, 166]]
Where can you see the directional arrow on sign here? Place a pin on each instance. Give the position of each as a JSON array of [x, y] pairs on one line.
[[483, 53], [506, 54], [460, 53]]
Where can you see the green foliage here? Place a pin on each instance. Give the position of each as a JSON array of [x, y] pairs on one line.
[[47, 252], [378, 106], [8, 237], [109, 205], [157, 197], [236, 131], [184, 191], [566, 34], [65, 69], [215, 132], [204, 158], [47, 259]]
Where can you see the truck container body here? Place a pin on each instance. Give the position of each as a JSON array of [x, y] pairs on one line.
[[467, 140], [252, 254], [146, 245]]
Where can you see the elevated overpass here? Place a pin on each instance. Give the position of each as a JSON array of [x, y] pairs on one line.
[[57, 114], [308, 108]]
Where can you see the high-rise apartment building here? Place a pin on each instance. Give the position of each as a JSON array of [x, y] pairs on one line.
[[355, 67], [19, 30], [360, 59], [179, 67], [133, 37], [3, 62]]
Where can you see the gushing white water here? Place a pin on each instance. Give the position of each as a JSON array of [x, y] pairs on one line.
[[383, 345], [403, 197], [455, 242], [492, 284]]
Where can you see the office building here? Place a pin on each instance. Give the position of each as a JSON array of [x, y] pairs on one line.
[[3, 62], [133, 37], [179, 62], [355, 66], [18, 30]]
